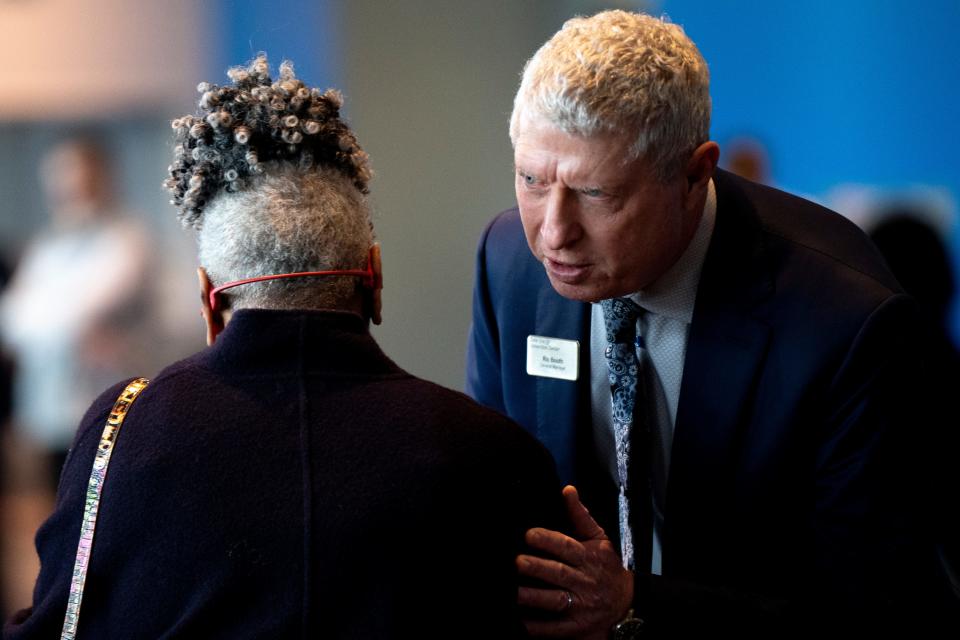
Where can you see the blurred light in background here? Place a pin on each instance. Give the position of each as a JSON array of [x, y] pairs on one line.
[[74, 59]]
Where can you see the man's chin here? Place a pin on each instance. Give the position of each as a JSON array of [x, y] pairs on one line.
[[581, 292]]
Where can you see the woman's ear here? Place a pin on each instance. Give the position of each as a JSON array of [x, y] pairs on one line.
[[211, 316], [377, 267]]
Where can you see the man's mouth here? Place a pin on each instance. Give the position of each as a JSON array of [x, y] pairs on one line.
[[566, 272]]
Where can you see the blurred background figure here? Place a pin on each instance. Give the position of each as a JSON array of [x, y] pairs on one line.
[[6, 370], [6, 393], [747, 157], [918, 257], [74, 313], [72, 319]]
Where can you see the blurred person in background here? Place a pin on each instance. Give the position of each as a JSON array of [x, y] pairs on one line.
[[6, 364], [918, 257], [6, 398], [75, 316], [747, 157], [291, 481], [6, 369]]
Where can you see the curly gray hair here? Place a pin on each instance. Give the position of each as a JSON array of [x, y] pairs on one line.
[[621, 72], [273, 181]]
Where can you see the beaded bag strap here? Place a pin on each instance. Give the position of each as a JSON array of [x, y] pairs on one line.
[[91, 504]]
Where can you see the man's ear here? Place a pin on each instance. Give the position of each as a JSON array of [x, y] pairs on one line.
[[211, 317], [376, 266], [699, 170]]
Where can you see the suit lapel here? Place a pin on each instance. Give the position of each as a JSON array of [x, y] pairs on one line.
[[559, 402], [727, 344]]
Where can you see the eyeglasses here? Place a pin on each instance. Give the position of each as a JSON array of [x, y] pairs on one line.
[[368, 278]]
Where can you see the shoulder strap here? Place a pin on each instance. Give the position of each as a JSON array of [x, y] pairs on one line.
[[91, 504]]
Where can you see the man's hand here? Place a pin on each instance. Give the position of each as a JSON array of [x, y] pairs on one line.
[[590, 588]]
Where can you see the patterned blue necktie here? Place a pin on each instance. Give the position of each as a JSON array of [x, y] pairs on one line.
[[620, 316]]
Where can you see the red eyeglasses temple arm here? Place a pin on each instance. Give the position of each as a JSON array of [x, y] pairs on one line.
[[369, 279]]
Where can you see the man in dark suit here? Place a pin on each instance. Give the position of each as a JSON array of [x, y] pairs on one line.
[[728, 373], [290, 481]]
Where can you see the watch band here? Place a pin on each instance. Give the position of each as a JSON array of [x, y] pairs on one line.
[[630, 628]]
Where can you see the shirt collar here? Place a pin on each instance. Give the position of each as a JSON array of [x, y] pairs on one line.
[[674, 293]]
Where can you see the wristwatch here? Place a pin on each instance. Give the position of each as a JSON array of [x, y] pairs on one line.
[[629, 628]]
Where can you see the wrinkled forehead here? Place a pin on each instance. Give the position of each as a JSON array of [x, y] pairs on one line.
[[548, 153], [534, 133]]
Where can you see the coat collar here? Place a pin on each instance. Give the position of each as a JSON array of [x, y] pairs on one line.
[[269, 341]]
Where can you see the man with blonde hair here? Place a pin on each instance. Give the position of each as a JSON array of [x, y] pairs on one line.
[[729, 374]]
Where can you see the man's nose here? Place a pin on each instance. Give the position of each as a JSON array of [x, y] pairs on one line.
[[561, 226]]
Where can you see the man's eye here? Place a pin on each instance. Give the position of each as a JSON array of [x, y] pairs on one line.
[[594, 192], [528, 179]]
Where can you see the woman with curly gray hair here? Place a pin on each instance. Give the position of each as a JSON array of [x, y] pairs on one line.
[[273, 181], [289, 481]]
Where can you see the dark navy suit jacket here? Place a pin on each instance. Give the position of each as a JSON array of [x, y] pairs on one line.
[[293, 482], [794, 489]]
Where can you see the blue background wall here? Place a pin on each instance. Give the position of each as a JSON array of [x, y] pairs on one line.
[[849, 92], [843, 91], [305, 31]]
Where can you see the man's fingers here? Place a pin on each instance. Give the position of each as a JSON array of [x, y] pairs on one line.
[[549, 571], [584, 526], [556, 600], [558, 545]]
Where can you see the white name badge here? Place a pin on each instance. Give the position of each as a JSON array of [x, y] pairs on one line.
[[553, 357]]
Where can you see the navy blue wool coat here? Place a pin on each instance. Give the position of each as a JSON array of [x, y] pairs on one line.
[[292, 482]]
